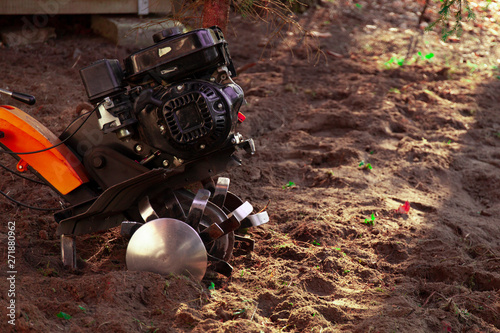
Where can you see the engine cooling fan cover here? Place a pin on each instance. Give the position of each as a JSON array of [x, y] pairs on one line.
[[196, 117], [195, 114]]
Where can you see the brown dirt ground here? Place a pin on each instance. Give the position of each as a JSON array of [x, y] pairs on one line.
[[430, 129]]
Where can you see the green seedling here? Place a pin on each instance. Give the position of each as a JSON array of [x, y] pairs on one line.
[[473, 67], [316, 243], [339, 249], [82, 308], [150, 328], [393, 60], [358, 5], [289, 185], [48, 271], [63, 315], [211, 286], [428, 56], [371, 220], [364, 165]]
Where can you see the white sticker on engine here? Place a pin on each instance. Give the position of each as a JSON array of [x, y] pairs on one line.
[[164, 50], [168, 70]]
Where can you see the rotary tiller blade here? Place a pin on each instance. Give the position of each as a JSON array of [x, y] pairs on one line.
[[167, 246]]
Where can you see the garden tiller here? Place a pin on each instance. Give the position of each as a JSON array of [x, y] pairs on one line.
[[162, 124]]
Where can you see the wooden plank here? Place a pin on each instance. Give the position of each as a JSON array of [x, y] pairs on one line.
[[57, 7]]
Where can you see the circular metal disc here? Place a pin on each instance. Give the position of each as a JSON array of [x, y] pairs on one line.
[[167, 246]]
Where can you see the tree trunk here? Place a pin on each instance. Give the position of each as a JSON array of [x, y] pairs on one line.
[[216, 12]]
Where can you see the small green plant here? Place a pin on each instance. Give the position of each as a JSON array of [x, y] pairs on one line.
[[63, 315], [473, 67], [150, 328], [371, 220], [82, 308], [289, 185], [463, 312], [48, 271], [395, 90], [364, 165], [165, 287], [428, 56], [393, 60], [316, 243], [340, 250]]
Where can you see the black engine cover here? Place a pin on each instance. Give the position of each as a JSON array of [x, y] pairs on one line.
[[179, 56]]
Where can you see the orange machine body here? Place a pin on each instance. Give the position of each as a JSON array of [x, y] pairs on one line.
[[58, 166]]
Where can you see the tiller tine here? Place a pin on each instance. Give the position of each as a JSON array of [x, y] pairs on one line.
[[220, 191], [249, 243], [220, 266], [68, 251], [197, 208], [233, 222], [146, 210]]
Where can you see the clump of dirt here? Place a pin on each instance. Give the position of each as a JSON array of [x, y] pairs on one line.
[[336, 255]]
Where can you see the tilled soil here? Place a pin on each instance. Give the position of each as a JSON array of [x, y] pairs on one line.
[[345, 136]]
